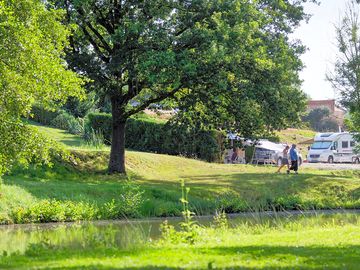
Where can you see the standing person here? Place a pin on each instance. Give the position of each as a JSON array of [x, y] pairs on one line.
[[294, 157], [284, 159], [234, 155]]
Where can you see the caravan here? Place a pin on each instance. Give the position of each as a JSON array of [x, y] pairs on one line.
[[332, 147]]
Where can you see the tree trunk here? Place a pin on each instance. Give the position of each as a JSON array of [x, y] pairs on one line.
[[117, 153]]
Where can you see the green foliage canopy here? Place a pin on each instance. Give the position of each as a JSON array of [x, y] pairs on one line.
[[32, 41], [253, 86]]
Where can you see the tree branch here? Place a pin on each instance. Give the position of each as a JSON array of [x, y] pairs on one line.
[[147, 103], [104, 44], [95, 45], [102, 20]]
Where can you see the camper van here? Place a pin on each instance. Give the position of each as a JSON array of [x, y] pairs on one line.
[[332, 147]]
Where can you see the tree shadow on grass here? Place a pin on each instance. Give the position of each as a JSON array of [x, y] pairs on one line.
[[247, 183], [76, 188], [314, 257], [269, 257], [257, 189]]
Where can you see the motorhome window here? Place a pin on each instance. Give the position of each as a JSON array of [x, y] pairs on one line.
[[345, 144], [321, 145], [335, 145], [352, 144]]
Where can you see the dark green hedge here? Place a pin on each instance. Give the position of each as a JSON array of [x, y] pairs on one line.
[[146, 135], [42, 116]]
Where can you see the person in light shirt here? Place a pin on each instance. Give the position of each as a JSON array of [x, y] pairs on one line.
[[284, 159], [294, 157]]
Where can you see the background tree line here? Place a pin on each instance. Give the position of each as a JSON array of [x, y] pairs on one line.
[[319, 119], [346, 75]]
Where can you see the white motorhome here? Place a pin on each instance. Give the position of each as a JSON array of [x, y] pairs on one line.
[[332, 147]]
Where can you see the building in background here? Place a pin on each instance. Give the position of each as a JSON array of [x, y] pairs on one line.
[[336, 113]]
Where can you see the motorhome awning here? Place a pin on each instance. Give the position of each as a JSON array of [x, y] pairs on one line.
[[310, 141]]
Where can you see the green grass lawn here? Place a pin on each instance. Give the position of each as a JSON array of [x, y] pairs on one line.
[[294, 246], [293, 135]]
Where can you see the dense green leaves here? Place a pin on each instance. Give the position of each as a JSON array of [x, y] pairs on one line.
[[250, 82], [31, 70]]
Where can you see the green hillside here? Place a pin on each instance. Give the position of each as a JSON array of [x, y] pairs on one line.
[[85, 191]]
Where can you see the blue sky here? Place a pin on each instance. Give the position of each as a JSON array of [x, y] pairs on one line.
[[319, 36]]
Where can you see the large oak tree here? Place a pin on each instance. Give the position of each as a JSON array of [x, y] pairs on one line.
[[214, 51]]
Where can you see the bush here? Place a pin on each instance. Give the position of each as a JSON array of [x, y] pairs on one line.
[[42, 116], [127, 205], [230, 202], [68, 122], [159, 137], [329, 125], [94, 138], [54, 211], [99, 122], [59, 119]]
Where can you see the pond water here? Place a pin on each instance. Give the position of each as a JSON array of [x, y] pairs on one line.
[[130, 233]]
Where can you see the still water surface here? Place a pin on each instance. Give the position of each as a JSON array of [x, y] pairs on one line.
[[129, 233]]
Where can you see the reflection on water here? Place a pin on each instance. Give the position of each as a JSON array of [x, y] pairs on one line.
[[126, 234]]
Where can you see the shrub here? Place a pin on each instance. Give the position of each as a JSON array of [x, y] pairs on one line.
[[230, 202], [99, 122], [93, 138], [42, 116], [126, 205], [59, 119], [54, 211], [145, 134], [68, 122]]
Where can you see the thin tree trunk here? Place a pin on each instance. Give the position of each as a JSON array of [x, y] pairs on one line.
[[117, 154]]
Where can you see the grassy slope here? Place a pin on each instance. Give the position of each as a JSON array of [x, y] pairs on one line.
[[292, 135], [298, 246], [297, 136], [233, 187]]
